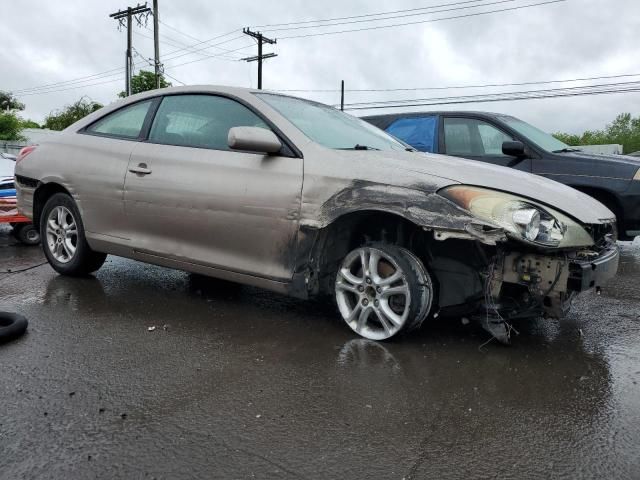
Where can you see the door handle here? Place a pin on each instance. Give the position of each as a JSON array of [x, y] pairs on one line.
[[141, 169]]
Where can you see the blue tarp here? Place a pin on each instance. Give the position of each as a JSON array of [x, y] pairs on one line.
[[419, 132]]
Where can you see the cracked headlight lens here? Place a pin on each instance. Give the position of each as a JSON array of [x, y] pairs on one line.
[[521, 218]]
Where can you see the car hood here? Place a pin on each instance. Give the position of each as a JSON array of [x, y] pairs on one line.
[[452, 170], [603, 157], [593, 164]]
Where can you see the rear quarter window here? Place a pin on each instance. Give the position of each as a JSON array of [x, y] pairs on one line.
[[125, 123]]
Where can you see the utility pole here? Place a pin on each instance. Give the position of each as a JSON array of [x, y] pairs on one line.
[[342, 96], [260, 57], [156, 43], [124, 18]]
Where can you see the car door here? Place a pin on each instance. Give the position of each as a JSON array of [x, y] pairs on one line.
[[188, 197], [478, 139], [96, 162]]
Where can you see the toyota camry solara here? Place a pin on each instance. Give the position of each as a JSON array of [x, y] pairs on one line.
[[294, 196]]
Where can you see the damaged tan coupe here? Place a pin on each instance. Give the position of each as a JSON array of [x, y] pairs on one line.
[[297, 197]]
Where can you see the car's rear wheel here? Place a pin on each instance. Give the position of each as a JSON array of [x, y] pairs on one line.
[[383, 290], [63, 239]]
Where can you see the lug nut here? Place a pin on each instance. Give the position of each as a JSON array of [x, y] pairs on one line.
[[369, 280], [360, 288], [379, 289], [365, 302], [376, 303]]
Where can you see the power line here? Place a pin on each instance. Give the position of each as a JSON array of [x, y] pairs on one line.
[[183, 46], [578, 88], [212, 56], [468, 15], [503, 97], [186, 47], [349, 22], [454, 87], [367, 15], [70, 88]]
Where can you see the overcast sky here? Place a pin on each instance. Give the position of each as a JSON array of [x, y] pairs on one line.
[[52, 42]]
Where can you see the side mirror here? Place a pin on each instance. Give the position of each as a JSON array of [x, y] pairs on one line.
[[253, 139], [513, 149]]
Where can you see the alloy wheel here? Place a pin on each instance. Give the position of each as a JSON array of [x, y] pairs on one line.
[[372, 293], [62, 234]]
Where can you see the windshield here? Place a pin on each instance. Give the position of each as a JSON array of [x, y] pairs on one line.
[[537, 136], [329, 127]]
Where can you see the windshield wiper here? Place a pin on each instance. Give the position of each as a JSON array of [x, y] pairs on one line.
[[567, 150], [357, 146]]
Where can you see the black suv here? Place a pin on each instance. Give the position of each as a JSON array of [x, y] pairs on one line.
[[614, 180]]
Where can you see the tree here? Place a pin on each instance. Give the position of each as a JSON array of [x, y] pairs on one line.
[[143, 82], [9, 102], [30, 124], [61, 119], [10, 127], [624, 130]]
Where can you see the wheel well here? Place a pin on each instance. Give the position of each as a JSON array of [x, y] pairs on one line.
[[354, 229], [41, 195]]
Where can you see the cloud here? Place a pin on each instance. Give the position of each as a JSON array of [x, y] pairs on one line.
[[577, 38]]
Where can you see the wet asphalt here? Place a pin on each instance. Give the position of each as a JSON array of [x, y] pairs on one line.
[[236, 382]]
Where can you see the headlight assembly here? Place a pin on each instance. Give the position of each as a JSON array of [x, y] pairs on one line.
[[637, 175], [521, 218]]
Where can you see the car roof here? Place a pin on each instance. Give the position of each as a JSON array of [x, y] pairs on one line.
[[383, 121]]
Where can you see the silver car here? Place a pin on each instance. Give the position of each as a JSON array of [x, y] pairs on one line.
[[294, 196]]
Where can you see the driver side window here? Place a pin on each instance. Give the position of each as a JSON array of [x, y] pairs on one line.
[[200, 121], [471, 137]]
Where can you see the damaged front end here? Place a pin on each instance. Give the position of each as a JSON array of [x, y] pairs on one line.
[[533, 264]]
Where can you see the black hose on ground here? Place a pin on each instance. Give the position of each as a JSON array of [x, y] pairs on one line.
[[12, 326]]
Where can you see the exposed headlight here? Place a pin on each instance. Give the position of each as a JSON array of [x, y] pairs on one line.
[[520, 218]]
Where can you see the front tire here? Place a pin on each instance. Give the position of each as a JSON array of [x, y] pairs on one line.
[[63, 239], [382, 290]]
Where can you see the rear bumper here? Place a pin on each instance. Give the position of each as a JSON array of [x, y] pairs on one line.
[[594, 273]]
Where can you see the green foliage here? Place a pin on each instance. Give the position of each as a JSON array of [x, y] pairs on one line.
[[10, 127], [30, 124], [61, 119], [624, 130], [8, 101], [143, 82]]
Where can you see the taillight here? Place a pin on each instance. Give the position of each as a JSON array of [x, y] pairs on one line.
[[24, 152]]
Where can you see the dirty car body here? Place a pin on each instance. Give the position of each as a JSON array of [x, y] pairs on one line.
[[294, 196]]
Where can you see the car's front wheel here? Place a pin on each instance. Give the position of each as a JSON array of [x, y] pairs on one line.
[[63, 239], [382, 290]]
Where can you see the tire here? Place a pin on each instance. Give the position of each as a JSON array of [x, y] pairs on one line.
[[27, 234], [391, 295], [63, 240], [12, 326]]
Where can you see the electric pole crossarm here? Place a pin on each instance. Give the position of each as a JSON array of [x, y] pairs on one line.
[[125, 17], [261, 39]]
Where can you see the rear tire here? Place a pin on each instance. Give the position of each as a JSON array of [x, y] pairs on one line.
[[383, 290], [63, 239]]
